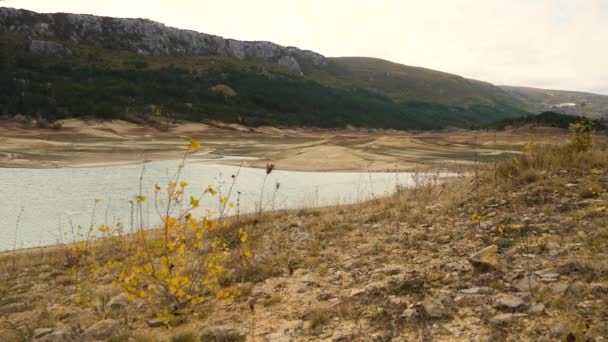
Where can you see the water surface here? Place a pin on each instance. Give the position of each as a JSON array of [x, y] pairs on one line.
[[41, 207]]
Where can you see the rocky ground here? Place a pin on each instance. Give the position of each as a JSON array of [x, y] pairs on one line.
[[488, 258]]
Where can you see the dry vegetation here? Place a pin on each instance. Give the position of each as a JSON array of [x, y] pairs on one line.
[[402, 268]]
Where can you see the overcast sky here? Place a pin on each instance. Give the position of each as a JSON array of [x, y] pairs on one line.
[[558, 44]]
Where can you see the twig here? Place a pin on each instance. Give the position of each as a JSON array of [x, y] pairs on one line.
[[15, 239]]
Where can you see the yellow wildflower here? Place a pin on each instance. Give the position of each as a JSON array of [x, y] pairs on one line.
[[194, 145], [501, 229], [194, 202], [243, 235], [247, 253], [475, 217]]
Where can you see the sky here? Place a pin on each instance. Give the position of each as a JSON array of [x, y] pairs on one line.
[[555, 44]]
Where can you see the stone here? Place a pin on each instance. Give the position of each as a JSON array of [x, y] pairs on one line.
[[42, 332], [356, 292], [118, 302], [502, 319], [63, 334], [485, 259], [310, 281], [392, 270], [508, 302], [559, 288], [408, 314], [577, 288], [395, 300], [536, 309], [443, 239], [598, 289], [549, 275], [476, 291], [102, 330], [433, 308], [553, 246], [297, 234], [222, 333], [526, 284], [286, 331], [559, 329], [155, 323]]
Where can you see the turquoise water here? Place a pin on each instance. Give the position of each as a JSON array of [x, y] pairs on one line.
[[41, 207]]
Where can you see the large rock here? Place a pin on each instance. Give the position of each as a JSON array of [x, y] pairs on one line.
[[102, 330], [40, 332], [509, 302], [433, 308], [526, 284], [222, 333], [577, 288], [117, 303], [485, 259], [63, 334], [506, 318]]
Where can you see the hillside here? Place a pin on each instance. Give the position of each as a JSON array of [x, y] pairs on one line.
[[561, 101], [545, 119], [407, 83], [64, 65]]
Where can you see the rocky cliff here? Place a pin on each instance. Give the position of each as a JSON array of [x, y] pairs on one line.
[[143, 36]]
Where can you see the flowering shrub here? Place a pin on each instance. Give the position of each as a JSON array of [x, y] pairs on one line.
[[181, 262]]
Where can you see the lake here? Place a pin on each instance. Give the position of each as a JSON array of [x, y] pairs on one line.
[[40, 207]]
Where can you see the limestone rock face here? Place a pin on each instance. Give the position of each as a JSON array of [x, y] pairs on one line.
[[290, 63], [48, 48], [145, 37]]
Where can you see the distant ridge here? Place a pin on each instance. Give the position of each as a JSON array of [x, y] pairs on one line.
[[69, 65], [145, 37], [560, 101]]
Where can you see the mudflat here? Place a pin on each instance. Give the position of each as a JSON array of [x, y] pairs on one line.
[[88, 143]]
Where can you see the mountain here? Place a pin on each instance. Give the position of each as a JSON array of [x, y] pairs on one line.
[[560, 101], [64, 65]]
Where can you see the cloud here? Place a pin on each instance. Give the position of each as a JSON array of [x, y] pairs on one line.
[[561, 44]]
